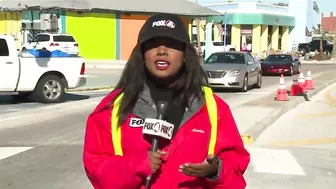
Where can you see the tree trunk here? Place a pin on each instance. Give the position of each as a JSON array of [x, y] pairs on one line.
[[321, 45], [333, 54]]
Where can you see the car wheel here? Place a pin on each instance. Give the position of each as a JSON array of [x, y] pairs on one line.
[[259, 81], [291, 71], [50, 89], [302, 51], [245, 84]]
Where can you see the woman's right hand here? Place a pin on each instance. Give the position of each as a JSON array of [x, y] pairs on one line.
[[155, 159]]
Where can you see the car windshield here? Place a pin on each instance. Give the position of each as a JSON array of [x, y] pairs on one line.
[[279, 58], [230, 58]]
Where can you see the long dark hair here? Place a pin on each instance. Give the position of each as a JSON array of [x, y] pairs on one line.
[[134, 76]]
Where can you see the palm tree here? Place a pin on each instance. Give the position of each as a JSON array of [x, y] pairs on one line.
[[317, 10], [316, 7], [333, 54]]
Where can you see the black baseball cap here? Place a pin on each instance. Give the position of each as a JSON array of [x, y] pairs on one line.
[[164, 25]]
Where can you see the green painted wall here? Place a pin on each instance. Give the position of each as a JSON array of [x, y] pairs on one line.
[[255, 18], [95, 34]]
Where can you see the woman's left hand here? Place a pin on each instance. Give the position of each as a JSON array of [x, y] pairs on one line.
[[208, 168]]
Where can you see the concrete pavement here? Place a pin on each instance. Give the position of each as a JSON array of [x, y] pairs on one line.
[[299, 149], [310, 124], [254, 115], [97, 78]]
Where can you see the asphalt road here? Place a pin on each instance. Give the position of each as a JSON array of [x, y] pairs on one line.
[[54, 162], [48, 154], [110, 77], [8, 105]]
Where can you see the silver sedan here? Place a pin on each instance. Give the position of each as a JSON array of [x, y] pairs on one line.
[[233, 70]]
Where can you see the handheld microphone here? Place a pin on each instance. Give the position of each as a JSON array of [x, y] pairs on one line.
[[158, 128]]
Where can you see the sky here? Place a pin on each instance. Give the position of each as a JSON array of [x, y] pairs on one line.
[[326, 6]]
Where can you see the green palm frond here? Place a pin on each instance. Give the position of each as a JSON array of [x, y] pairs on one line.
[[316, 7]]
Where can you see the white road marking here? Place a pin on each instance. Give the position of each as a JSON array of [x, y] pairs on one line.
[[6, 152], [90, 76], [252, 93], [12, 109], [274, 161]]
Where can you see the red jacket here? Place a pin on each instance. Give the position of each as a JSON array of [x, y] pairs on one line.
[[190, 144]]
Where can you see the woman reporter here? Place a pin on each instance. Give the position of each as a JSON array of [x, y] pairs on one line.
[[206, 150]]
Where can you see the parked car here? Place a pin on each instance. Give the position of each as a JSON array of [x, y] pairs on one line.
[[51, 42], [233, 69], [47, 77], [314, 45], [281, 64]]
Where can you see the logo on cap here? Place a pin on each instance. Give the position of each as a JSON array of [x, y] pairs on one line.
[[165, 23]]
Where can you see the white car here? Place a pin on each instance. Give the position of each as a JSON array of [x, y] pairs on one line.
[[47, 77], [51, 42]]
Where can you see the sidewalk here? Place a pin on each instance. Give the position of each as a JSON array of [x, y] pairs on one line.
[[105, 64], [255, 116], [331, 61], [311, 124]]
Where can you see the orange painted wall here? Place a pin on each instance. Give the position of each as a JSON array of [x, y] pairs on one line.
[[130, 26]]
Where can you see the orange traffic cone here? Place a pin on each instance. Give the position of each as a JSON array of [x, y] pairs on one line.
[[295, 89], [309, 81], [302, 83], [282, 93]]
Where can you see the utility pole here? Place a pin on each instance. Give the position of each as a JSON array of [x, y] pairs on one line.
[[198, 33]]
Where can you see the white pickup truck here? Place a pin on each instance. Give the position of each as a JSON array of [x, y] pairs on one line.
[[47, 77], [217, 46]]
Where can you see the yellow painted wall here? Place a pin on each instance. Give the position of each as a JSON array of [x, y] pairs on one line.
[[256, 38], [235, 36], [95, 34], [10, 24], [284, 39], [190, 30], [201, 29], [264, 38], [275, 37], [216, 33]]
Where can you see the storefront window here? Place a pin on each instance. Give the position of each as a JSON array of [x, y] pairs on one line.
[[246, 38]]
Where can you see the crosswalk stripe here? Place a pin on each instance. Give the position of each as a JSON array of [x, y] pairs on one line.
[[274, 161], [263, 160], [6, 152]]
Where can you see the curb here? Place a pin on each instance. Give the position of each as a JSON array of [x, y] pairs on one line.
[[318, 63], [106, 66], [91, 89], [259, 127]]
